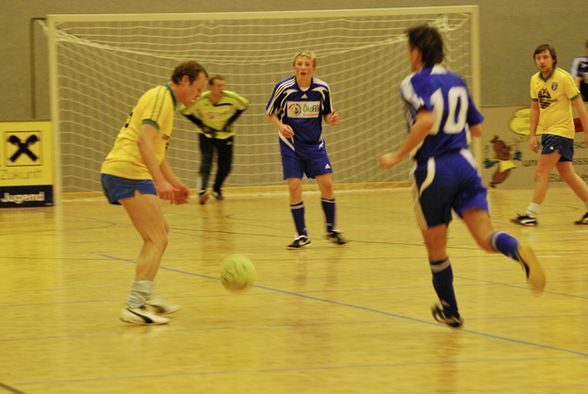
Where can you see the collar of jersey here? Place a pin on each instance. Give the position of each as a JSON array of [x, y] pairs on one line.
[[171, 91]]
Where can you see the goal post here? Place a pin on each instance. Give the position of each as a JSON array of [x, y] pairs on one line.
[[101, 64]]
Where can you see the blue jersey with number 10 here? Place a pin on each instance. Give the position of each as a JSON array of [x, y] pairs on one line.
[[445, 94]]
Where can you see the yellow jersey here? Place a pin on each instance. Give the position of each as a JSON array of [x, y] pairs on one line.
[[554, 96], [156, 107], [216, 115]]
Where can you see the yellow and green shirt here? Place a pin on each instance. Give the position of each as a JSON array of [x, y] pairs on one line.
[[156, 107], [554, 96], [217, 115]]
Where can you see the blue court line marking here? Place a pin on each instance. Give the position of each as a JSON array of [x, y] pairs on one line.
[[376, 311], [10, 389]]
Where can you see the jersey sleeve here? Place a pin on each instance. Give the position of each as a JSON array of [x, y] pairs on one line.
[[532, 91], [274, 102], [412, 93], [240, 102], [156, 107], [474, 116], [570, 87]]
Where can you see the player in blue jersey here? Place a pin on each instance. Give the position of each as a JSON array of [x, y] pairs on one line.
[[440, 111], [297, 108]]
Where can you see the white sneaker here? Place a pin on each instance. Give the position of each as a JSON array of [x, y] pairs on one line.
[[142, 317], [158, 305]]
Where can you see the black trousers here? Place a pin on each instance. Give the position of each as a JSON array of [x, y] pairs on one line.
[[224, 151]]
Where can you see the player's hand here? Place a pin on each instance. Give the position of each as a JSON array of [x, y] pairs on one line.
[[286, 131], [389, 160], [533, 144], [181, 194], [333, 119], [165, 190]]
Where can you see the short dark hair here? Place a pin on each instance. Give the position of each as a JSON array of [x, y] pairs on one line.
[[191, 68], [215, 78], [546, 47], [429, 41]]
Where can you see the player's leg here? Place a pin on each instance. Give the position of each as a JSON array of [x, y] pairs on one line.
[[144, 210], [329, 205], [292, 170], [319, 167], [433, 189], [224, 162], [479, 225], [549, 158], [206, 156], [577, 184]]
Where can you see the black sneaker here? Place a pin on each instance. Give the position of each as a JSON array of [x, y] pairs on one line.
[[202, 197], [533, 270], [439, 314], [336, 237], [584, 219], [142, 317], [524, 220], [299, 242], [218, 195]]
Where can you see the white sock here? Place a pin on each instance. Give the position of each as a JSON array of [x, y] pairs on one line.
[[141, 290], [533, 209]]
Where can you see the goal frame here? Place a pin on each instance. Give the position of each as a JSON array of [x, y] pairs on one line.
[[54, 20]]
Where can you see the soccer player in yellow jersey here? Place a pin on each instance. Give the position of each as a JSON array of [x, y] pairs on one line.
[[135, 173], [214, 113], [553, 93]]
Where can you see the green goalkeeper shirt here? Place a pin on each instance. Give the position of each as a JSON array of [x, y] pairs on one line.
[[218, 116]]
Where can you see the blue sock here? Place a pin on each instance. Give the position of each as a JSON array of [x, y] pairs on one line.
[[298, 215], [505, 244], [443, 284], [329, 209]]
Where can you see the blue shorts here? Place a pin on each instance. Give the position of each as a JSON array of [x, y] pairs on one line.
[[444, 183], [116, 188], [311, 160], [555, 143]]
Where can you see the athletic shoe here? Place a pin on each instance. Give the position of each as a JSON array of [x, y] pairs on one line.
[[142, 317], [524, 220], [160, 306], [533, 270], [299, 242], [218, 195], [336, 237], [439, 314], [202, 197], [584, 219]]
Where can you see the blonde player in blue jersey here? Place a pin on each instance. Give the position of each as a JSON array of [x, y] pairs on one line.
[[440, 111], [297, 108], [214, 113], [135, 173], [553, 93]]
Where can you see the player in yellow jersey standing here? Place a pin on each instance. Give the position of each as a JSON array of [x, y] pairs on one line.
[[553, 93], [135, 173], [214, 113]]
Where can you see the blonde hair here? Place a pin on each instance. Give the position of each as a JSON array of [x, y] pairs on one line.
[[305, 53]]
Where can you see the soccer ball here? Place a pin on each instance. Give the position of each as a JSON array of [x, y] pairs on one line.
[[237, 273]]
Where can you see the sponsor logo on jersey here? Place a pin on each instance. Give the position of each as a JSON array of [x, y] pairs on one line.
[[303, 109]]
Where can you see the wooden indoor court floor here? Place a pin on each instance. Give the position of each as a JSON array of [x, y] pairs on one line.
[[327, 319]]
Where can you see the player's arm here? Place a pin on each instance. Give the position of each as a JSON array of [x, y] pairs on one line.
[[534, 114], [181, 191], [332, 118], [476, 130], [581, 113], [284, 129], [147, 134], [418, 132]]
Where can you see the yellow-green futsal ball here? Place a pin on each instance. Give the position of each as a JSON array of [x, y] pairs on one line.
[[237, 273]]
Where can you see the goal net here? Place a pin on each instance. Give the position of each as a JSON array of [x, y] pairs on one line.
[[101, 64]]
